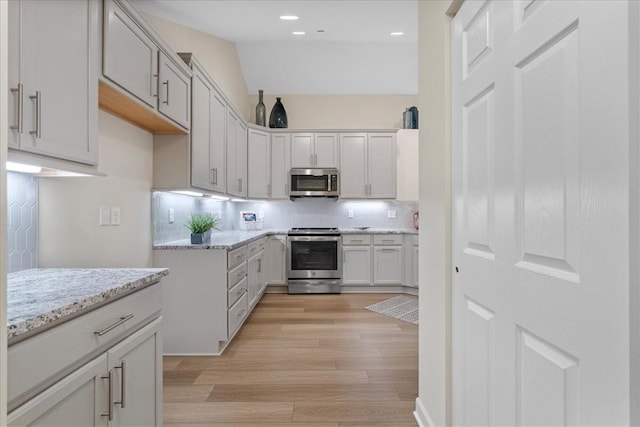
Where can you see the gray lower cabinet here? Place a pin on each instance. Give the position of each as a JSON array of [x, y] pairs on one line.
[[209, 294], [53, 78], [356, 258], [120, 384], [276, 260]]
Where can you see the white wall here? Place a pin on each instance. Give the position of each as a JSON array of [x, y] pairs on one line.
[[69, 234], [219, 57], [339, 111], [435, 211]]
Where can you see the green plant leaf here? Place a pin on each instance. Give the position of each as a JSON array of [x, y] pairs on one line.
[[202, 222]]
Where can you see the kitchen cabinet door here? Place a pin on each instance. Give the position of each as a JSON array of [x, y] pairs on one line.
[[130, 57], [217, 153], [353, 166], [381, 160], [242, 158], [173, 92], [276, 260], [259, 167], [55, 109], [302, 154], [255, 275], [387, 265], [280, 165], [325, 146], [137, 371], [356, 265], [201, 135], [80, 399]]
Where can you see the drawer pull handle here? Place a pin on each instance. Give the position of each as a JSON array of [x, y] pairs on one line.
[[115, 325], [241, 313], [110, 396], [123, 367]]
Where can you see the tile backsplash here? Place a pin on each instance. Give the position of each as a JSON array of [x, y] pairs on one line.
[[22, 222], [280, 214]]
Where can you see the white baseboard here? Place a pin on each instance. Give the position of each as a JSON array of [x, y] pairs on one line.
[[421, 415]]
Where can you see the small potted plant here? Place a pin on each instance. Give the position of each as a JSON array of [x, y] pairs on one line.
[[201, 226]]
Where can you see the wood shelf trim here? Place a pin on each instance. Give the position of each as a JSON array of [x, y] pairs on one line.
[[116, 102]]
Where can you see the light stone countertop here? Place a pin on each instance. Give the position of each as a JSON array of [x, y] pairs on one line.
[[232, 239], [40, 297]]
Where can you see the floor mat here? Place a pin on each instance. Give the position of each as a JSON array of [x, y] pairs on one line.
[[402, 307]]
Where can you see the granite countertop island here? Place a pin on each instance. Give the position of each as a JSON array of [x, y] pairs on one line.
[[42, 297], [232, 239]]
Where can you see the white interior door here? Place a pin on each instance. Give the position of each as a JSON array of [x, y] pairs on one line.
[[540, 288]]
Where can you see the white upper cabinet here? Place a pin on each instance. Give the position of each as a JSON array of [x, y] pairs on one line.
[[314, 150], [381, 164], [302, 150], [54, 60], [201, 135], [367, 166], [130, 57], [137, 60], [236, 137], [353, 166], [259, 165], [173, 92], [217, 153], [325, 150], [280, 165]]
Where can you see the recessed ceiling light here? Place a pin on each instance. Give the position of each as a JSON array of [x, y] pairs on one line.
[[298, 33], [288, 17], [397, 33], [320, 31]]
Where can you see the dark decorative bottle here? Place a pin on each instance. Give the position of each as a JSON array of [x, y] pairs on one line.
[[261, 110], [278, 117]]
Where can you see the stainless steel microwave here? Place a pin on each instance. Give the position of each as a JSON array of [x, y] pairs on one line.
[[313, 183]]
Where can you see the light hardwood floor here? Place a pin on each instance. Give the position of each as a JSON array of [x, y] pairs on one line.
[[302, 361]]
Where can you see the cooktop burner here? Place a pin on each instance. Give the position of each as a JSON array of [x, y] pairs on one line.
[[314, 230]]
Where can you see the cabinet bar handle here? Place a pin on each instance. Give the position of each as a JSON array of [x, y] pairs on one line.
[[155, 95], [123, 367], [215, 176], [18, 90], [239, 184], [38, 99], [166, 82], [115, 325], [210, 176], [269, 190], [110, 396], [241, 313], [315, 159]]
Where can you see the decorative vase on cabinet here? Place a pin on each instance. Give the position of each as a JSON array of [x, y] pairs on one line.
[[278, 117], [261, 110]]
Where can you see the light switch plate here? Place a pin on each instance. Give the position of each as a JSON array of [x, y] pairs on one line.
[[172, 216], [105, 216], [115, 215], [391, 213], [350, 213]]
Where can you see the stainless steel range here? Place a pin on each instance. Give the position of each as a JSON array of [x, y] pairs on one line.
[[314, 261]]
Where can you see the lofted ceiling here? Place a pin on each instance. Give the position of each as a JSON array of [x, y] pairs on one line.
[[346, 49]]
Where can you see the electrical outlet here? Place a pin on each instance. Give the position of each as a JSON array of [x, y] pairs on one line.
[[260, 214], [350, 213], [105, 216], [172, 216], [115, 215], [391, 213]]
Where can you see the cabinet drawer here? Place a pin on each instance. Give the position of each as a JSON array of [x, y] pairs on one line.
[[356, 239], [235, 293], [255, 247], [387, 239], [236, 314], [237, 274], [41, 360], [236, 257]]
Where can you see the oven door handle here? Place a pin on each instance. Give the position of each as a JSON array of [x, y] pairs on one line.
[[314, 238]]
